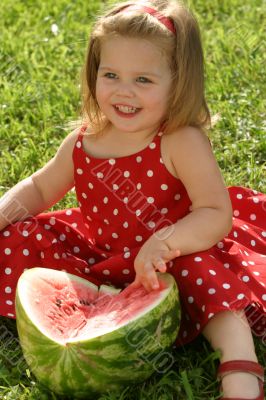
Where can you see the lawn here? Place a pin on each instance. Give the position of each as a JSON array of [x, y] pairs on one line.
[[42, 49]]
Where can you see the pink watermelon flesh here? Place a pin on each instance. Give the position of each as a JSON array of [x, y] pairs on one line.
[[69, 309]]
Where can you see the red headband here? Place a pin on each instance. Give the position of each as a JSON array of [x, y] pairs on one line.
[[156, 14]]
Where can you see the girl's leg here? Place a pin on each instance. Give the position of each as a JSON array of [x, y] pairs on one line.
[[231, 334]]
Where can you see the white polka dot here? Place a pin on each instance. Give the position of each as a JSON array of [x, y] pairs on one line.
[[56, 256], [164, 186], [138, 213], [150, 173], [8, 271], [225, 304], [107, 246], [79, 171], [74, 224], [235, 234], [164, 210], [256, 273], [115, 212], [150, 200], [126, 174], [236, 213], [90, 185], [245, 278], [9, 302], [52, 221], [226, 265], [184, 272], [87, 270], [7, 251], [139, 186], [198, 326], [251, 262], [125, 200], [152, 145], [68, 212], [244, 263], [125, 224], [127, 254], [62, 237], [10, 315], [39, 236], [8, 289], [115, 186], [161, 160], [212, 272], [106, 221], [263, 233], [126, 271], [253, 243], [139, 159], [126, 248], [138, 238], [226, 286], [211, 291], [76, 249], [78, 145], [151, 224], [203, 308], [210, 315], [99, 175], [100, 231], [220, 245], [26, 252], [255, 200], [47, 227], [88, 160], [263, 297], [114, 235], [84, 195], [199, 281], [95, 209], [198, 259], [253, 217], [240, 296], [112, 161], [177, 196], [239, 196], [6, 233], [91, 260], [190, 299], [42, 254], [106, 272]]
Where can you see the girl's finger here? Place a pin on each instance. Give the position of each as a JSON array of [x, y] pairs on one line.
[[151, 281], [171, 254], [160, 265]]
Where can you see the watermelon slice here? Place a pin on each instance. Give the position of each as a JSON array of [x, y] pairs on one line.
[[80, 340]]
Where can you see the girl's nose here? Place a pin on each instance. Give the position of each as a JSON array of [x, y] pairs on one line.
[[125, 89]]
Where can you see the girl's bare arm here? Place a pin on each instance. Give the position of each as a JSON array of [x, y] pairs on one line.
[[210, 218], [41, 190]]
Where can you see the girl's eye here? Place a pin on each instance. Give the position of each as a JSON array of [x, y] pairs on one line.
[[142, 79], [110, 75]]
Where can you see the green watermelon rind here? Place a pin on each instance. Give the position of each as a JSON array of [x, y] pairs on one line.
[[84, 368]]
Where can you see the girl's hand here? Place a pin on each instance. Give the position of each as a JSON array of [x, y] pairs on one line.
[[152, 257]]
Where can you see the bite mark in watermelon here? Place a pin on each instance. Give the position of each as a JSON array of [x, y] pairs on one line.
[[80, 340]]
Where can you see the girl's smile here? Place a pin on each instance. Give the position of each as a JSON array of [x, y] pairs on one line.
[[133, 85]]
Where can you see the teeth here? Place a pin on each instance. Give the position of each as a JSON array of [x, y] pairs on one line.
[[126, 109]]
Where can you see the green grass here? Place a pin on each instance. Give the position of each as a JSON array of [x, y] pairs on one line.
[[39, 86]]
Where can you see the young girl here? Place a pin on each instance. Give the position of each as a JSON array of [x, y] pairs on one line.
[[151, 196]]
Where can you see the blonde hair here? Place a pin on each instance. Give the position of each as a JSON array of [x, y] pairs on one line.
[[187, 104]]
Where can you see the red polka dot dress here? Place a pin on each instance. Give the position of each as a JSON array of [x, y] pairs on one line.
[[122, 201]]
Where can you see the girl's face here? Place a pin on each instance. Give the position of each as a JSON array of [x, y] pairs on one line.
[[133, 84]]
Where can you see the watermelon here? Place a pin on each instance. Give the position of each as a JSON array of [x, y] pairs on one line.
[[80, 340]]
